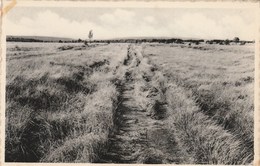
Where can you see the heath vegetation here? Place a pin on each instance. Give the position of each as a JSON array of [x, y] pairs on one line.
[[130, 103]]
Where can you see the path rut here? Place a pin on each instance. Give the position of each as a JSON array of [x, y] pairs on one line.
[[139, 138]]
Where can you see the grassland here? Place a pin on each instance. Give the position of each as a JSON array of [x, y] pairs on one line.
[[210, 94], [60, 103], [129, 103]]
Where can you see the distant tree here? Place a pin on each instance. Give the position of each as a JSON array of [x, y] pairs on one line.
[[79, 40], [179, 41], [209, 42], [226, 42], [236, 39], [243, 43], [90, 35]]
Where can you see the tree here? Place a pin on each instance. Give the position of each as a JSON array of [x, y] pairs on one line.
[[236, 39], [179, 41], [90, 35], [226, 42], [242, 43]]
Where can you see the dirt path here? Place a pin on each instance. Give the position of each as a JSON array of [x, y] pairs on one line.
[[139, 138]]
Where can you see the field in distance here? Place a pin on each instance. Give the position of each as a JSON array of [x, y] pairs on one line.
[[129, 103]]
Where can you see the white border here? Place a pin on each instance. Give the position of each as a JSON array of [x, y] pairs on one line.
[[133, 4], [137, 4]]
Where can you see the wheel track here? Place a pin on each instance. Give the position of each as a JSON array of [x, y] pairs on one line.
[[138, 135]]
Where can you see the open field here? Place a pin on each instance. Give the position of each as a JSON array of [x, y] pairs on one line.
[[129, 103], [60, 103], [211, 97]]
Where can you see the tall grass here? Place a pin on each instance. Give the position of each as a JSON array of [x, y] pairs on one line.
[[149, 86], [220, 85], [86, 148], [203, 140], [231, 112], [88, 139], [30, 102], [61, 111]]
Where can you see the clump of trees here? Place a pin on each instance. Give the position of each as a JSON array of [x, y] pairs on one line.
[[226, 42], [235, 40]]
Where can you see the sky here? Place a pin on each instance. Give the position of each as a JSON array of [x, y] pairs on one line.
[[131, 22]]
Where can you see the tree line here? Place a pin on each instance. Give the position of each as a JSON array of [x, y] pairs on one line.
[[150, 40]]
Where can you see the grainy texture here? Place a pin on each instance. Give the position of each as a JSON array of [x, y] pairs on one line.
[[130, 103]]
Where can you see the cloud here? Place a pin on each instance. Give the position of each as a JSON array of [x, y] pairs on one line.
[[200, 26], [131, 23], [238, 27], [119, 16], [195, 25], [48, 23]]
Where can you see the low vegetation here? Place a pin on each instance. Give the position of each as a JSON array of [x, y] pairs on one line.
[[130, 103], [61, 111], [210, 91], [201, 138]]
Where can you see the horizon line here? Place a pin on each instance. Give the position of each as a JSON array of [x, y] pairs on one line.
[[134, 37]]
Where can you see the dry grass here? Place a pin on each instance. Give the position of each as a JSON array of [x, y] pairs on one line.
[[219, 82], [90, 128], [61, 101], [203, 140], [149, 85], [59, 107], [152, 156], [86, 148]]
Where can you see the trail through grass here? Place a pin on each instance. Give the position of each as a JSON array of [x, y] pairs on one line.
[[129, 103], [141, 137]]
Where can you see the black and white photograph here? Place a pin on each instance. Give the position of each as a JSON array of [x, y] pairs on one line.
[[144, 83]]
